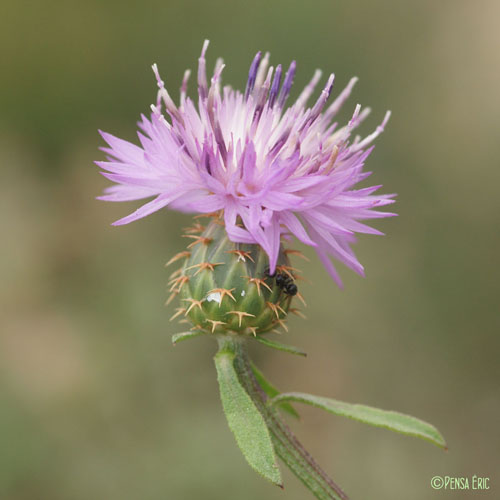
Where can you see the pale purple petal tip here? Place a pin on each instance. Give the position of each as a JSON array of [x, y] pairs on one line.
[[281, 171]]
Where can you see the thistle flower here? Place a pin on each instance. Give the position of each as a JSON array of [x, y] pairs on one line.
[[263, 173], [273, 171]]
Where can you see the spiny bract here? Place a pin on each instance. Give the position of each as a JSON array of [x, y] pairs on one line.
[[226, 287]]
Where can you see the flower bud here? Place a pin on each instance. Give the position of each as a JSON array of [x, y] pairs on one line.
[[227, 287]]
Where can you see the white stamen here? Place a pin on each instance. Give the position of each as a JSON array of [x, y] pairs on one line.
[[217, 72], [353, 121], [157, 112], [202, 75], [342, 97], [363, 115], [184, 85], [205, 47], [162, 93], [262, 70], [219, 66], [159, 81], [309, 89], [370, 138]]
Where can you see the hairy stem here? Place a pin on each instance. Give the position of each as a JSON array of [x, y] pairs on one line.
[[286, 445]]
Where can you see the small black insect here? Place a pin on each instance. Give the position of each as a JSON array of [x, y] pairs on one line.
[[281, 280], [285, 282]]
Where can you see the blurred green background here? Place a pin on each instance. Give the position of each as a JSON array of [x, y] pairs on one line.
[[94, 401]]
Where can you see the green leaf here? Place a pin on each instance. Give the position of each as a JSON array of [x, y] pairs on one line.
[[391, 420], [245, 420], [179, 337], [271, 391], [281, 347]]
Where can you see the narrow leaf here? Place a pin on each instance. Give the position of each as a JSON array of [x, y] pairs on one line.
[[281, 347], [271, 391], [245, 420], [179, 337], [391, 420]]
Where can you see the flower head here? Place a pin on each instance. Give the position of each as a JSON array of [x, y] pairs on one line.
[[272, 170]]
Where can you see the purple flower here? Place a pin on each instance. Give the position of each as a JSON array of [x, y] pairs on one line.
[[273, 170]]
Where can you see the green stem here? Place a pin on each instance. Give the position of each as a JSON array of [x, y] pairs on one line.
[[286, 445]]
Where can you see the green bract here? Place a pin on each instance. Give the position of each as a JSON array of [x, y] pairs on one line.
[[224, 286]]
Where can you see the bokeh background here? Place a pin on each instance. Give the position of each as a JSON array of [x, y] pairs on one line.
[[94, 401]]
